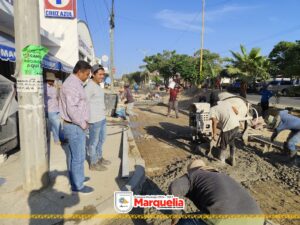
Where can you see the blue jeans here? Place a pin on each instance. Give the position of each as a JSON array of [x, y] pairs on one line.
[[76, 146], [54, 125], [293, 139], [97, 137]]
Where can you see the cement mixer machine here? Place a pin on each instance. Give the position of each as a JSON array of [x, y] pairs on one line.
[[201, 124]]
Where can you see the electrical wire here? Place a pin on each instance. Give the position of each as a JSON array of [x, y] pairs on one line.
[[86, 19], [106, 5]]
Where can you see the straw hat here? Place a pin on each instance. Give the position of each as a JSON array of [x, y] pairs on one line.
[[50, 76], [198, 163]]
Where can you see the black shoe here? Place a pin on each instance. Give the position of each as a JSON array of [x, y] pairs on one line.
[[86, 190], [86, 180], [103, 161]]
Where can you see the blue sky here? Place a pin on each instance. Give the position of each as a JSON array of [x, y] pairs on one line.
[[146, 27]]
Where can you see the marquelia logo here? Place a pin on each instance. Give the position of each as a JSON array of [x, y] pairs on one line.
[[125, 201]]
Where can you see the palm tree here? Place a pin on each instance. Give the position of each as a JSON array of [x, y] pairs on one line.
[[249, 67]]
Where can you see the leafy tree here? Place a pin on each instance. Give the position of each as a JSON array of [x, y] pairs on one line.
[[212, 64], [169, 63], [249, 67], [285, 59]]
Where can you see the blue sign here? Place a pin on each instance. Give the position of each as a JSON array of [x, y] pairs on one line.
[[7, 53]]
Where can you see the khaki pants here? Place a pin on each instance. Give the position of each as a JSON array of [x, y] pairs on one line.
[[174, 105]]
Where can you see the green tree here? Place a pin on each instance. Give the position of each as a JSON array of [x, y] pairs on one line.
[[285, 59], [249, 67], [169, 63], [212, 64]]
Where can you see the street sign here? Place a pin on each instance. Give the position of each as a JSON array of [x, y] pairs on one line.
[[113, 70], [60, 8]]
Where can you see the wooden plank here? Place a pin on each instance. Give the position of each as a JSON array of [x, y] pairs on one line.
[[125, 162]]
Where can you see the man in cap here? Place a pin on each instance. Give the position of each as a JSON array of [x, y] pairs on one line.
[[97, 121], [129, 100], [74, 111], [224, 116], [213, 192], [52, 108], [286, 121]]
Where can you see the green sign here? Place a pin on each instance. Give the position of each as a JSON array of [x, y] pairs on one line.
[[32, 57]]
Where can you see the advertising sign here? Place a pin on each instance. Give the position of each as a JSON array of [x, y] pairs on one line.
[[32, 56], [60, 8]]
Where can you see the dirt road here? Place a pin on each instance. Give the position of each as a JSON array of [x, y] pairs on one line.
[[164, 145]]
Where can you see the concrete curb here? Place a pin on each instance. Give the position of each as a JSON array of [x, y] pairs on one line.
[[134, 184]]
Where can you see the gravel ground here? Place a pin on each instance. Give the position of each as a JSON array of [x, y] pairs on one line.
[[164, 144]]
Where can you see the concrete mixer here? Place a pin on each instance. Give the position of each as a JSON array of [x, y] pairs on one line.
[[200, 122]]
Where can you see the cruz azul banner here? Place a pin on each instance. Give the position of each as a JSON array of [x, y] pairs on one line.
[[60, 8]]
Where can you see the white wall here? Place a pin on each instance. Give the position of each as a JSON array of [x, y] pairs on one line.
[[66, 31], [86, 47]]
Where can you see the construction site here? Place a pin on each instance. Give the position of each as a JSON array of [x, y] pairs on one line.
[[166, 144]]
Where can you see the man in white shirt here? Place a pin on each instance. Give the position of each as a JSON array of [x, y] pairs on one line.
[[224, 116], [97, 121]]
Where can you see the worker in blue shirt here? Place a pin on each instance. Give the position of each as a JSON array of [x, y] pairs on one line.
[[264, 101], [292, 123]]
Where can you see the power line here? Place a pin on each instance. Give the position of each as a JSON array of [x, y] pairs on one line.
[[86, 19], [101, 18], [107, 8]]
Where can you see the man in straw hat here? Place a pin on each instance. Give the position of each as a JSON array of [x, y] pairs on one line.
[[224, 116], [51, 106], [213, 192]]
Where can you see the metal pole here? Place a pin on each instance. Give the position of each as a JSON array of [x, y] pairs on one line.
[[32, 130], [202, 39], [111, 34]]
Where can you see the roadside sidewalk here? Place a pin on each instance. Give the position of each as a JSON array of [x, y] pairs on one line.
[[57, 197]]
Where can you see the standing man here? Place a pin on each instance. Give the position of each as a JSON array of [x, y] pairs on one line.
[[214, 193], [264, 101], [74, 110], [52, 109], [224, 116], [173, 103], [136, 88], [292, 123], [129, 100], [97, 121]]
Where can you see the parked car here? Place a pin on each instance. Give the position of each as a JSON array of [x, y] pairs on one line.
[[282, 85], [252, 87], [8, 116]]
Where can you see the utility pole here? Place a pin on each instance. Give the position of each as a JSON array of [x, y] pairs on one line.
[[202, 39], [32, 130], [111, 35]]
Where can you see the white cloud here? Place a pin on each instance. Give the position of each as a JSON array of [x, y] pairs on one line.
[[192, 21]]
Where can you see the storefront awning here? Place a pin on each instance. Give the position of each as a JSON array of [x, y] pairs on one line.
[[7, 50], [52, 63], [66, 68]]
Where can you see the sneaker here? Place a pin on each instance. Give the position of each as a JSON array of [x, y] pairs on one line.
[[86, 190], [104, 161], [86, 180], [97, 167]]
